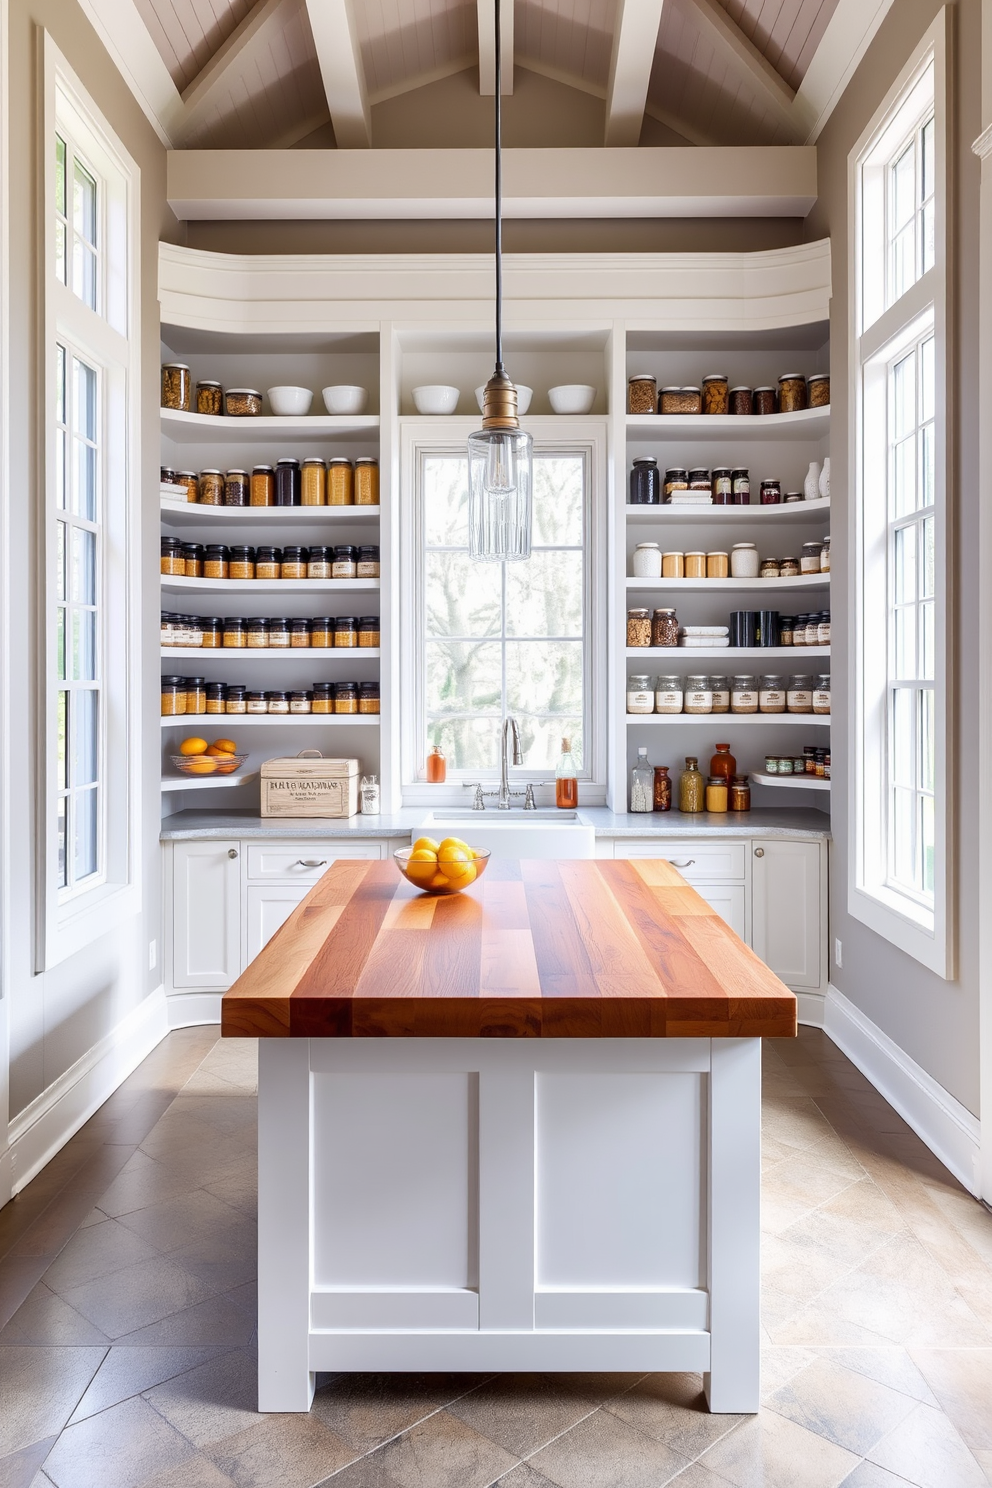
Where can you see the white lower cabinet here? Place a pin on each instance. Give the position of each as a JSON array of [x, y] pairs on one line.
[[267, 906]]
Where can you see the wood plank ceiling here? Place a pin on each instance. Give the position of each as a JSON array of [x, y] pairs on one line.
[[251, 75]]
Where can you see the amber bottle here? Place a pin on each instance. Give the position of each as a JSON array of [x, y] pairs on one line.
[[723, 763], [566, 779], [436, 766], [692, 787]]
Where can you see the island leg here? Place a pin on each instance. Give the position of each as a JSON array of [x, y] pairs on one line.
[[732, 1383], [285, 1382]]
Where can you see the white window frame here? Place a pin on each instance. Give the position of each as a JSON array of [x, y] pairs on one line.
[[109, 339], [588, 438], [877, 333]]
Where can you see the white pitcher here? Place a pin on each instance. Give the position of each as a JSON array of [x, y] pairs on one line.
[[825, 477], [811, 485]]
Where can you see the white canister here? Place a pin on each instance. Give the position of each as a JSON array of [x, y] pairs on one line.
[[744, 561], [647, 561]]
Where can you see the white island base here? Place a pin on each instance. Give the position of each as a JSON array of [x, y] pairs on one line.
[[508, 1204]]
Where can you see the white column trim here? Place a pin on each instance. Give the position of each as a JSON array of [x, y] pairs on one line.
[[635, 37], [332, 23], [486, 19]]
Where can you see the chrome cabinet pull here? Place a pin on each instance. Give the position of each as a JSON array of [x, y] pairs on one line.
[[232, 852], [759, 852], [310, 862], [687, 864]]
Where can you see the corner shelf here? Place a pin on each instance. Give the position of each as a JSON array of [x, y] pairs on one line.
[[809, 423], [792, 511], [791, 782], [174, 585], [205, 428], [187, 782], [711, 653], [194, 513], [736, 720], [710, 586], [234, 721], [269, 653]]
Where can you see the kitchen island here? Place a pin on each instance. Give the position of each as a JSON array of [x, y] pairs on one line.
[[512, 1129]]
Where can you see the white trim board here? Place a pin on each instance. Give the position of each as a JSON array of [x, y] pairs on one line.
[[44, 1127], [951, 1132], [192, 1009]]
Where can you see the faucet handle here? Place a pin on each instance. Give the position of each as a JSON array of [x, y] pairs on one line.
[[529, 803], [479, 803]]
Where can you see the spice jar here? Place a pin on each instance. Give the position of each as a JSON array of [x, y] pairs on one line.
[[294, 563], [821, 694], [690, 400], [717, 793], [791, 497], [770, 493], [722, 486], [212, 630], [771, 694], [367, 481], [638, 628], [640, 695], [642, 393], [300, 702], [234, 702], [809, 757], [319, 563], [167, 633], [276, 702], [809, 562], [368, 630], [769, 569], [792, 396], [345, 562], [664, 628], [346, 631], [668, 695], [692, 787], [695, 565], [716, 393], [764, 400], [340, 482], [323, 697], [646, 562], [188, 478], [645, 482], [742, 401], [662, 789], [698, 696], [799, 697], [668, 400], [368, 561], [744, 563], [799, 634], [263, 486], [216, 697], [233, 635], [279, 632], [322, 631], [299, 634], [257, 633], [740, 794], [172, 561], [268, 563], [676, 479], [717, 565], [193, 559], [177, 386], [788, 568], [173, 697], [720, 688], [216, 561], [825, 555], [209, 397], [818, 388], [743, 695], [701, 480], [785, 630], [313, 483], [346, 697], [196, 694], [673, 565], [243, 402], [821, 637], [211, 488], [255, 702], [742, 487], [368, 697], [241, 564], [236, 489], [288, 482]]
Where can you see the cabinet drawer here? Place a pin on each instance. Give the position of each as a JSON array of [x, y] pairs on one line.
[[698, 862], [302, 862]]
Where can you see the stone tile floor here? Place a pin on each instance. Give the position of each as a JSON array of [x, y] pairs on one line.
[[127, 1320]]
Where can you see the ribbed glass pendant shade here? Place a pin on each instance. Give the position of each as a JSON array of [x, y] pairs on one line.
[[500, 495]]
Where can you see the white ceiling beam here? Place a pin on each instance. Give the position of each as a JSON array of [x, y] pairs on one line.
[[849, 33], [743, 56], [635, 37], [486, 13], [336, 39], [213, 83], [126, 37], [744, 181]]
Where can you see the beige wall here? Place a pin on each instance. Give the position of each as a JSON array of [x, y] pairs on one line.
[[934, 1021]]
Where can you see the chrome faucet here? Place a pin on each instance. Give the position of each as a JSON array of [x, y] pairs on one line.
[[504, 795]]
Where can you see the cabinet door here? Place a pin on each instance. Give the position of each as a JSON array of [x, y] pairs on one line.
[[729, 902], [787, 921], [267, 906], [206, 927]]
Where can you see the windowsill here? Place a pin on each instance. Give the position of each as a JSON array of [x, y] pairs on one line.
[[81, 921]]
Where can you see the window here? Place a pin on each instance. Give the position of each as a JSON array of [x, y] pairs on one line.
[[899, 884], [76, 223]]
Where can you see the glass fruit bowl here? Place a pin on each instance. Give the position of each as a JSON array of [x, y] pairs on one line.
[[199, 766], [442, 875]]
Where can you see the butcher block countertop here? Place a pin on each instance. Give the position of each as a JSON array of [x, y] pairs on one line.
[[535, 949]]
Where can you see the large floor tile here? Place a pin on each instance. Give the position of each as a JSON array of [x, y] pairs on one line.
[[672, 1409], [217, 1320], [45, 1318], [927, 1451], [847, 1408], [177, 1222], [216, 1399], [605, 1452], [96, 1251], [443, 1452], [137, 1295], [280, 1452], [365, 1410], [39, 1389], [523, 1412], [769, 1451], [961, 1379], [128, 1371], [21, 1469], [122, 1447]]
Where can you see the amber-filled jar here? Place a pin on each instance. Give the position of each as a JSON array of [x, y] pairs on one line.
[[765, 401], [209, 397], [276, 702], [322, 631], [742, 401], [319, 563], [268, 563], [173, 697], [234, 702], [172, 562], [299, 633], [346, 697], [263, 486], [323, 697], [300, 702], [241, 564], [792, 395], [177, 386], [216, 697], [818, 387], [642, 393], [313, 482], [211, 488], [257, 633], [288, 482], [368, 562], [193, 559], [188, 478], [279, 633], [294, 563], [716, 393], [662, 789], [717, 793], [234, 633], [196, 695], [436, 766], [340, 482], [236, 488], [692, 787], [638, 627], [213, 631], [740, 794], [255, 702], [367, 481], [664, 628], [345, 563], [346, 631], [368, 697], [368, 630], [216, 564]]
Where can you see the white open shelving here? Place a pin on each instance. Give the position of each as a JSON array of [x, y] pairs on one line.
[[193, 514], [205, 428], [282, 655], [209, 782], [790, 782], [730, 720], [717, 586], [792, 511], [684, 654], [810, 423], [232, 722], [179, 585]]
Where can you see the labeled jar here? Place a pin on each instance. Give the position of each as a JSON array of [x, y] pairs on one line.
[[294, 563], [640, 695], [344, 564], [177, 386], [169, 628], [288, 482], [809, 562], [786, 624], [193, 559], [792, 395], [243, 402], [698, 695], [764, 400], [346, 697], [821, 764], [717, 565], [368, 697], [771, 764], [743, 695], [645, 482], [823, 628], [695, 565], [809, 758], [233, 634], [313, 482], [173, 697], [257, 633], [319, 563], [662, 796], [821, 693], [268, 563], [646, 561], [720, 688], [673, 565], [642, 393], [740, 794], [196, 694], [716, 393], [692, 787], [236, 488], [744, 561], [322, 700], [676, 479], [799, 635], [638, 628], [340, 482], [216, 563], [241, 562], [299, 635], [189, 479], [255, 702], [211, 488], [368, 630], [234, 701], [742, 401], [799, 696], [367, 481], [701, 480], [825, 555], [300, 702], [668, 695], [717, 793], [769, 569], [209, 397], [818, 389], [664, 627], [346, 631], [741, 480], [212, 630], [166, 476], [172, 561], [722, 486], [770, 493], [263, 486], [216, 697], [771, 694], [368, 561], [279, 632], [788, 568], [276, 702]]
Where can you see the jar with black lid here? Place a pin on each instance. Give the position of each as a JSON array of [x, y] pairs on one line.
[[172, 562], [322, 631], [771, 493], [300, 702], [323, 697], [368, 697], [234, 701], [276, 702], [166, 476], [216, 561], [288, 482], [723, 486], [700, 480], [241, 562], [346, 697], [645, 482], [196, 694], [213, 631], [368, 630], [279, 632], [216, 697], [786, 626], [676, 479], [294, 563], [299, 633], [268, 563], [368, 562], [234, 633], [345, 564], [742, 487], [173, 697], [236, 488], [255, 702], [209, 397], [319, 563], [346, 631], [193, 559], [263, 486], [257, 633]]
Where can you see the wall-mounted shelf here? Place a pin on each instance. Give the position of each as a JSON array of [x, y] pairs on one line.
[[791, 511], [231, 722], [733, 720], [270, 653], [205, 428], [713, 586], [193, 514], [810, 423], [711, 653], [170, 584], [208, 782], [791, 782]]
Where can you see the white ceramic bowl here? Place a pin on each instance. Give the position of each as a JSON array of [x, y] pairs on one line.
[[524, 395], [289, 402], [572, 397], [435, 399], [344, 399]]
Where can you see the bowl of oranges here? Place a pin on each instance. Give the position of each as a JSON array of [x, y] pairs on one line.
[[441, 867], [196, 757]]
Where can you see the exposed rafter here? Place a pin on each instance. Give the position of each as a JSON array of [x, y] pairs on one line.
[[213, 83], [743, 56], [634, 39], [486, 11], [848, 35], [336, 39], [136, 57]]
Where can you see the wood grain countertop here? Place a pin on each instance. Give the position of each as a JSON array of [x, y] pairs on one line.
[[536, 949]]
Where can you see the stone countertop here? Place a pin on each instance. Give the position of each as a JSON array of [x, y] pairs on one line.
[[760, 822]]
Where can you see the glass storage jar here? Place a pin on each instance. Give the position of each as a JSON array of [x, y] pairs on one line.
[[193, 559], [173, 697], [720, 688], [770, 493], [288, 482], [366, 484], [188, 478], [676, 479], [172, 561], [241, 563], [177, 387], [257, 633], [216, 697], [785, 630], [322, 631], [792, 396], [722, 485], [662, 789], [368, 697], [664, 627], [769, 569], [692, 787], [740, 794], [196, 694], [255, 702], [323, 697], [299, 634], [743, 695], [771, 694], [294, 563], [645, 482], [319, 563], [211, 488], [809, 562], [741, 479], [212, 628], [821, 693], [638, 627], [799, 696], [279, 632], [701, 480], [216, 563], [818, 387], [668, 695], [788, 568], [233, 634], [640, 695], [340, 482], [263, 486], [243, 402], [717, 793], [698, 695], [764, 400], [368, 630], [346, 697], [276, 702], [368, 561], [345, 562], [268, 563], [742, 401], [300, 702], [642, 393], [313, 482], [825, 555], [716, 393], [209, 397], [234, 701], [346, 631]]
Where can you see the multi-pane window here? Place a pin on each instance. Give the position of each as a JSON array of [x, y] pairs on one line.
[[911, 207], [78, 542], [505, 638], [76, 212]]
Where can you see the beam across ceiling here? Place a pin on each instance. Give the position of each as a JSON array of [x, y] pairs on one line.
[[486, 18], [747, 62], [757, 181], [635, 36], [136, 57], [212, 83], [336, 39]]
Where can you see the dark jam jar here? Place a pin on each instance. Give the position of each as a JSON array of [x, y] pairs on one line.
[[645, 482], [288, 483]]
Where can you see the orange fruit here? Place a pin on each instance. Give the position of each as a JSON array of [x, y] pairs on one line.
[[193, 745], [460, 875], [422, 855], [421, 873], [202, 764], [450, 842], [221, 746], [226, 763], [449, 853], [427, 844], [439, 881]]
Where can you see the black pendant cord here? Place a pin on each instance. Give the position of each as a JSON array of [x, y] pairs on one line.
[[499, 196]]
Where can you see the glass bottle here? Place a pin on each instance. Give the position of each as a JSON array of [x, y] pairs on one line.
[[740, 794], [436, 767], [566, 779], [717, 793], [370, 795], [642, 783], [723, 762], [662, 789], [692, 787]]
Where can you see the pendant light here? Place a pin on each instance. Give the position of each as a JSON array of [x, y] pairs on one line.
[[500, 454]]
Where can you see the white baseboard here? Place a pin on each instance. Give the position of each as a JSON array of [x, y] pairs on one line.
[[948, 1128], [38, 1132], [191, 1009], [811, 1008]]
